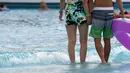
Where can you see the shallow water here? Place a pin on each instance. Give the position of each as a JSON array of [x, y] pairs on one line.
[[32, 38], [78, 68]]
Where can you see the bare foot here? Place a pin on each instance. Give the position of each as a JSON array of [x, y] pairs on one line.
[[73, 62], [82, 62], [104, 62]]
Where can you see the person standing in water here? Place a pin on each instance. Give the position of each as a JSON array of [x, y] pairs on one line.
[[3, 7], [43, 6], [77, 15], [103, 15]]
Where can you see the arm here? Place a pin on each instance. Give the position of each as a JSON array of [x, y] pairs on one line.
[[62, 3], [90, 2], [86, 8], [120, 5], [90, 8]]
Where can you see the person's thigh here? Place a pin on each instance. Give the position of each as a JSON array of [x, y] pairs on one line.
[[107, 31], [71, 32], [97, 28]]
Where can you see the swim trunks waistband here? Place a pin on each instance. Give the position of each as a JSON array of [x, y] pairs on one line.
[[103, 8]]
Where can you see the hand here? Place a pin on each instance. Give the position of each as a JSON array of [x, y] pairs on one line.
[[89, 20], [122, 15], [61, 15]]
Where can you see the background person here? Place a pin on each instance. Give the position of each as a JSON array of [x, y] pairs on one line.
[[43, 6], [3, 7]]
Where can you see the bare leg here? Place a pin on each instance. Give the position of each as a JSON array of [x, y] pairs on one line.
[[99, 49], [71, 32], [107, 48], [83, 31]]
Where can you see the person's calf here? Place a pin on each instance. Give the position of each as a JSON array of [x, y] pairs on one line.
[[107, 48], [83, 49], [99, 49], [71, 50]]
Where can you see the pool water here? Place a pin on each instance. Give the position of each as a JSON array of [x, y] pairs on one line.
[[36, 42]]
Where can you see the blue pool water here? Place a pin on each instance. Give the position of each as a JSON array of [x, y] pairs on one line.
[[36, 42]]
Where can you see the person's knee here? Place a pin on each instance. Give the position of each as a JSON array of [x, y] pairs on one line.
[[97, 42], [72, 41], [107, 44], [107, 41], [83, 42]]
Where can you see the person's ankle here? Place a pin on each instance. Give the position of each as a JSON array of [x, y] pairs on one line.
[[103, 62], [72, 62], [82, 62]]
